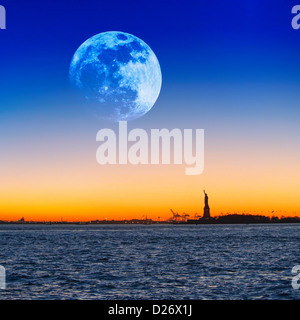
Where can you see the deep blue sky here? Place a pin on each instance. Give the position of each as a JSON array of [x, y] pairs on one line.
[[195, 41], [224, 63]]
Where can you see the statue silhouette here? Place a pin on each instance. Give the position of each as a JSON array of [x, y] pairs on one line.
[[205, 199], [206, 214]]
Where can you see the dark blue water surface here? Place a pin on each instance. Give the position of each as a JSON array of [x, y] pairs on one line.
[[149, 261]]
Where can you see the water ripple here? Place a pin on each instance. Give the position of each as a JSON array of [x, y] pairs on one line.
[[149, 262]]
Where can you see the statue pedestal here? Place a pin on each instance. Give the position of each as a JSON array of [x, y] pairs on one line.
[[206, 214]]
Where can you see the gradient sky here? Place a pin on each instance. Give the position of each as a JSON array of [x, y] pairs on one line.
[[231, 68]]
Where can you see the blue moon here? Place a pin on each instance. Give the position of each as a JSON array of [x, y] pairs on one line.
[[118, 74]]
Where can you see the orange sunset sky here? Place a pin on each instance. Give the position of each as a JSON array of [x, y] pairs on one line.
[[52, 179]]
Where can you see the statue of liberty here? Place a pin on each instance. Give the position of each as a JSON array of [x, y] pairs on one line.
[[206, 214]]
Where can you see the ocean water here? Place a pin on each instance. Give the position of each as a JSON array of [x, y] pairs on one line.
[[149, 261]]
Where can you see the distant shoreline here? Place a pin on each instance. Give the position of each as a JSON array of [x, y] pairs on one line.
[[224, 219]]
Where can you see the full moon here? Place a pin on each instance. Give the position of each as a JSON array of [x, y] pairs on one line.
[[118, 74]]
